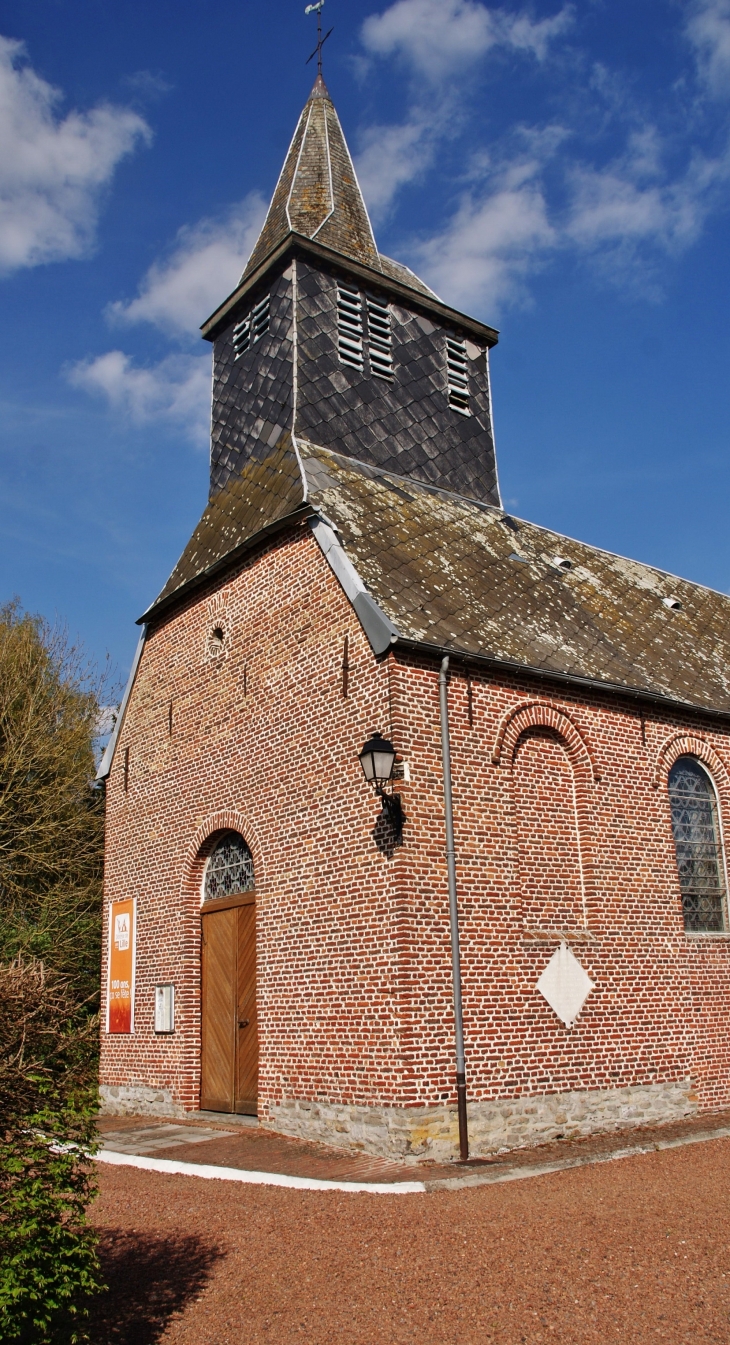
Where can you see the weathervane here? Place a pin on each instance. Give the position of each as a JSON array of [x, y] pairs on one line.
[[317, 9]]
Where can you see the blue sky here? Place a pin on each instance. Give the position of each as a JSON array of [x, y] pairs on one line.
[[561, 171]]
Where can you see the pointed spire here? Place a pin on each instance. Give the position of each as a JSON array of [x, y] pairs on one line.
[[318, 194]]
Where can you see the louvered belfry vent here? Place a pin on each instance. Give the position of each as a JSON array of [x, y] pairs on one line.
[[349, 325], [458, 375], [251, 328], [380, 342]]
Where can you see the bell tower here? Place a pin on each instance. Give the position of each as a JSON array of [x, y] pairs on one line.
[[328, 341]]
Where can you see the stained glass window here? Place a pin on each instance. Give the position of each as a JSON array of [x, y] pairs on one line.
[[229, 869], [697, 842]]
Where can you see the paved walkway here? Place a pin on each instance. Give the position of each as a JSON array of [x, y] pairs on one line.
[[238, 1145]]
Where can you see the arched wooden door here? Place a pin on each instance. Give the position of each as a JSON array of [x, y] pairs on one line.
[[229, 1081]]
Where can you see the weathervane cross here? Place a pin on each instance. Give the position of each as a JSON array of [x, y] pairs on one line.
[[317, 9]]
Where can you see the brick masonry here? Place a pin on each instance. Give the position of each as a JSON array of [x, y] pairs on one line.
[[353, 932]]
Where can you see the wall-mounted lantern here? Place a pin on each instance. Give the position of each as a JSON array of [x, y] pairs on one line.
[[377, 759]]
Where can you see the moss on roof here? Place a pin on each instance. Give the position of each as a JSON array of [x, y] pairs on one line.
[[453, 573]]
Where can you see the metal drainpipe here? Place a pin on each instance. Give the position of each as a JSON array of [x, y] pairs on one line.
[[453, 913]]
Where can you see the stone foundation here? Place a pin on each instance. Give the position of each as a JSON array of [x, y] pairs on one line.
[[432, 1133], [137, 1100]]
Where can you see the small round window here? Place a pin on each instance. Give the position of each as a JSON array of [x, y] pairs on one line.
[[229, 869]]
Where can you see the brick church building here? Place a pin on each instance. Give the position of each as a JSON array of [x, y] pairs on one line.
[[278, 936]]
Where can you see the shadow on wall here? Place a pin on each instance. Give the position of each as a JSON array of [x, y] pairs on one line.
[[387, 837], [150, 1281]]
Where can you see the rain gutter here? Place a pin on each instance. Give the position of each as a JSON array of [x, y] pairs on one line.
[[453, 912]]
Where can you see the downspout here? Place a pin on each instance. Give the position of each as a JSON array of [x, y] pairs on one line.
[[453, 913]]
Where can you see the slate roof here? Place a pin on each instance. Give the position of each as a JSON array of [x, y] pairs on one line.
[[318, 208], [267, 491], [318, 194], [455, 574]]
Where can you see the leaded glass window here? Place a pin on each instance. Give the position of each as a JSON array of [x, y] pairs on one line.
[[229, 869], [699, 850]]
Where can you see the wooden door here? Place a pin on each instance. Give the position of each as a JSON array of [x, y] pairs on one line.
[[247, 1052], [229, 1080]]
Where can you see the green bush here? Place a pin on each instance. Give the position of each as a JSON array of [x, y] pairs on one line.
[[48, 1263]]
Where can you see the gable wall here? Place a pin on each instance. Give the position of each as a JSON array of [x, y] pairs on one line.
[[279, 762]]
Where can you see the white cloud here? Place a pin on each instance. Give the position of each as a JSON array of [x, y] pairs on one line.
[[176, 295], [205, 264], [392, 156], [147, 84], [175, 391], [53, 169], [623, 216], [633, 202], [493, 241], [708, 28], [522, 33], [438, 37]]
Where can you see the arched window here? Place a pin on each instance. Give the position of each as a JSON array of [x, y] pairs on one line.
[[229, 869], [699, 849]]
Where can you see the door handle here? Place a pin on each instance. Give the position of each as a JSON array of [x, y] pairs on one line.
[[244, 1022]]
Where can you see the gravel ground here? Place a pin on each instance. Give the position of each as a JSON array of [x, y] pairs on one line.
[[631, 1251]]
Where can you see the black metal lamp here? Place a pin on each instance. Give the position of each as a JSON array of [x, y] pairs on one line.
[[377, 759]]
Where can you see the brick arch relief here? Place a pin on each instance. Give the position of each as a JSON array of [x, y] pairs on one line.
[[542, 714], [552, 773], [689, 745], [204, 841]]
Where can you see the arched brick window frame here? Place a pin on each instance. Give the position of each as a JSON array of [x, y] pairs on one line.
[[688, 745], [542, 714], [203, 843]]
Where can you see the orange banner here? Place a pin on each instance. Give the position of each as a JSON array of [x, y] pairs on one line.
[[122, 933]]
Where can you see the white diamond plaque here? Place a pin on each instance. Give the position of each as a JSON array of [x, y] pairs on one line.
[[565, 985]]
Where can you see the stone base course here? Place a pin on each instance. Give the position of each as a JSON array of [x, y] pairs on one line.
[[431, 1133], [137, 1100]]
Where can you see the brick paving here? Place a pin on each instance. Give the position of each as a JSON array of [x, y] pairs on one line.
[[253, 1148], [631, 1251]]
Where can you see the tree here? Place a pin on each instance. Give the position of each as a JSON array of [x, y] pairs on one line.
[[51, 815], [51, 839]]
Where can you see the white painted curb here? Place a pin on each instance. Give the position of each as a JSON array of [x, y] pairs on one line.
[[210, 1171]]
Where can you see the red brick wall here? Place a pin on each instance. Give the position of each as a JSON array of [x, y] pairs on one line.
[[549, 853], [353, 935]]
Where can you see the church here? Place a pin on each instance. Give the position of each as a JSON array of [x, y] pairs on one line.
[[415, 810]]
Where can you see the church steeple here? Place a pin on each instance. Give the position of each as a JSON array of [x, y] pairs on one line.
[[327, 341], [318, 195]]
